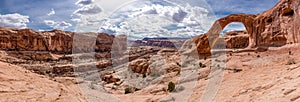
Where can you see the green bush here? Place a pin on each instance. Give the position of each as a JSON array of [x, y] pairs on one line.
[[136, 89], [127, 91], [171, 86]]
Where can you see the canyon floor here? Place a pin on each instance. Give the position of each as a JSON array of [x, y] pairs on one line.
[[249, 75]]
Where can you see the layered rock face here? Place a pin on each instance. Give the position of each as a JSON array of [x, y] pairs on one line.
[[279, 25], [140, 66], [236, 39], [55, 41], [276, 27], [30, 40]]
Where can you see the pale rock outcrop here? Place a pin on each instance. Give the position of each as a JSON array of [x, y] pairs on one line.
[[109, 78], [140, 66]]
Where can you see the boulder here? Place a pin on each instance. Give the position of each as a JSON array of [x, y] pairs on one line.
[[140, 66], [236, 39], [109, 78]]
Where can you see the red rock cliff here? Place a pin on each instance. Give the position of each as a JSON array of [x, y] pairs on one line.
[[276, 27], [55, 41]]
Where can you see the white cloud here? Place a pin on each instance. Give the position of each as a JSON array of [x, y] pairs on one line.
[[88, 10], [159, 20], [14, 20], [41, 30], [84, 2], [75, 20], [52, 12], [234, 27], [90, 22], [88, 17], [57, 25]]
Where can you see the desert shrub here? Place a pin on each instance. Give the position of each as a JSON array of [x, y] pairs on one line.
[[116, 84], [136, 89], [178, 64], [171, 86], [202, 65], [291, 61], [128, 90], [92, 85]]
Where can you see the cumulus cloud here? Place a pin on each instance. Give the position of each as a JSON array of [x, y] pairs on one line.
[[88, 16], [234, 27], [88, 10], [57, 25], [14, 20], [159, 20], [52, 12], [84, 2]]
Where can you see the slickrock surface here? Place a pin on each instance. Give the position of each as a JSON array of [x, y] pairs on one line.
[[18, 84], [273, 75], [248, 76]]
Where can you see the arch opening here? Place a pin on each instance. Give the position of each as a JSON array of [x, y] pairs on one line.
[[236, 35], [219, 25]]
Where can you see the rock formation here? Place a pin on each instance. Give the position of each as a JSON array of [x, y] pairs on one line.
[[159, 43], [236, 39], [140, 66], [30, 40], [109, 78], [279, 25], [276, 27]]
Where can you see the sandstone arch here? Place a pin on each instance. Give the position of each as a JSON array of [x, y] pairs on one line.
[[219, 25]]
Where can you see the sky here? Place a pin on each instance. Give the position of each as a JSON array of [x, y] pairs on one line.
[[136, 19]]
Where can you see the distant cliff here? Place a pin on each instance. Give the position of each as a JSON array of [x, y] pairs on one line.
[[55, 41]]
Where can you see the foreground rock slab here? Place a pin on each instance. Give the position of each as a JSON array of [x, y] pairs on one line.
[[18, 84]]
